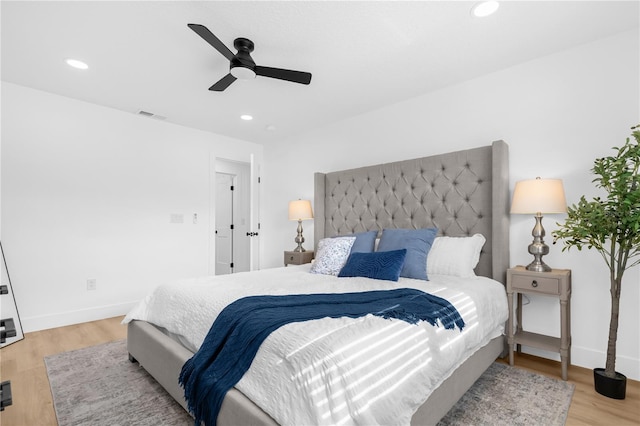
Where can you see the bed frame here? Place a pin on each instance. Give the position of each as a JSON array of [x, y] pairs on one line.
[[461, 193]]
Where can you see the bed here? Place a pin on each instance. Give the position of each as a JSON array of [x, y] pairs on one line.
[[462, 194]]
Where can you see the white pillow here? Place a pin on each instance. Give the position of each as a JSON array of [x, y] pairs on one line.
[[455, 256], [332, 254]]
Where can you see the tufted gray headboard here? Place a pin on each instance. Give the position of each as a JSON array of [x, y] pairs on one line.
[[460, 193]]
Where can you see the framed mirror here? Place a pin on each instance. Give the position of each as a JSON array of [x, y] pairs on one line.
[[10, 326]]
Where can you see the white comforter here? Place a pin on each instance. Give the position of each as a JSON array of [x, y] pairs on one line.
[[336, 371]]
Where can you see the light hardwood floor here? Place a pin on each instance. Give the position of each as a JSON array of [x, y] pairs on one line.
[[22, 363]]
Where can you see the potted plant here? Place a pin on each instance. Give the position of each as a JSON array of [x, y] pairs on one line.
[[611, 225]]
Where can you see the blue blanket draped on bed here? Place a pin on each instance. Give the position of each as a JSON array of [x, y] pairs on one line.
[[237, 333]]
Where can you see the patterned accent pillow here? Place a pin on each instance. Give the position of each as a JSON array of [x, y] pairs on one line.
[[332, 255], [383, 265], [456, 256]]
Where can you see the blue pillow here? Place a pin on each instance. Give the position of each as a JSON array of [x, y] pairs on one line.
[[377, 265], [417, 242], [365, 241]]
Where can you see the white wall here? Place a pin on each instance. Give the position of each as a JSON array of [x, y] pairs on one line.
[[87, 193], [557, 114]]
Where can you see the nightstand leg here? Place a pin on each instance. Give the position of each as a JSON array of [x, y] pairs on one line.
[[564, 336], [510, 327], [519, 319]]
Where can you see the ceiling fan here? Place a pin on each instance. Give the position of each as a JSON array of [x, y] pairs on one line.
[[242, 65]]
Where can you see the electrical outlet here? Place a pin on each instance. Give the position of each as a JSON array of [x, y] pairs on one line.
[[91, 284]]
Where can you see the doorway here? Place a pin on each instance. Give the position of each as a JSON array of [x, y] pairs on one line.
[[233, 224]]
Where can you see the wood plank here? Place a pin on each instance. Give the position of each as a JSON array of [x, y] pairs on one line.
[[587, 406], [23, 363]]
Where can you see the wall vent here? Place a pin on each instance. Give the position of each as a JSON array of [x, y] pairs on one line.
[[151, 115]]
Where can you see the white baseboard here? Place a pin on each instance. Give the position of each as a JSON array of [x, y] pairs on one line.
[[62, 319], [589, 358]]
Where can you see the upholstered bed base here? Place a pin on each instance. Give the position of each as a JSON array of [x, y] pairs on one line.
[[163, 358]]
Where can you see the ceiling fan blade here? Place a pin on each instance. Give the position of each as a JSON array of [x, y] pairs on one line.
[[223, 83], [208, 36], [281, 74]]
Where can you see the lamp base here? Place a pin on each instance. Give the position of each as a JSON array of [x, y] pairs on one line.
[[299, 239], [538, 248], [538, 267]]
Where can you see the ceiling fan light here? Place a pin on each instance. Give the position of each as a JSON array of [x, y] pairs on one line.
[[243, 73]]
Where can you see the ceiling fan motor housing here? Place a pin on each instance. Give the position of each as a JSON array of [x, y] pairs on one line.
[[242, 65]]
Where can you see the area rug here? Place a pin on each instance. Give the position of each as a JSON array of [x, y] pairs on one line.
[[98, 386], [511, 396]]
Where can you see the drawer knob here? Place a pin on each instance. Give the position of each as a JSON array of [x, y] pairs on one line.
[[534, 283]]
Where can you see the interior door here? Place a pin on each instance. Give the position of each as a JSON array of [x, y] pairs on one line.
[[241, 218], [224, 223], [245, 242]]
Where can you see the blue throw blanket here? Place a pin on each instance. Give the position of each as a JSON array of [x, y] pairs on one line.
[[237, 333]]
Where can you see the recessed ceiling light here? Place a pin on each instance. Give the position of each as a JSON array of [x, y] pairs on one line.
[[246, 117], [484, 8], [77, 64]]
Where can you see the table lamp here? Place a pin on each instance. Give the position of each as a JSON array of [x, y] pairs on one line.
[[300, 210], [538, 196]]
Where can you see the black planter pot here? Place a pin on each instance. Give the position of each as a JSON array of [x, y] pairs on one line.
[[612, 387]]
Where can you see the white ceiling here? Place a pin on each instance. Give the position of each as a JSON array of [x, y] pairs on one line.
[[363, 55]]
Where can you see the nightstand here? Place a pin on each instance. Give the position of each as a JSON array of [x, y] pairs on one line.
[[555, 283], [297, 257]]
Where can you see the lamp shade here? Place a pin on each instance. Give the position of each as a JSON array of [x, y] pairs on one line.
[[538, 196], [300, 210]]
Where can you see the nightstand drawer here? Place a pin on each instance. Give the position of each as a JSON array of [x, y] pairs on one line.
[[297, 257], [541, 284]]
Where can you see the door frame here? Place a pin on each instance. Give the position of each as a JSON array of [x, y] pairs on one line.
[[217, 165]]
